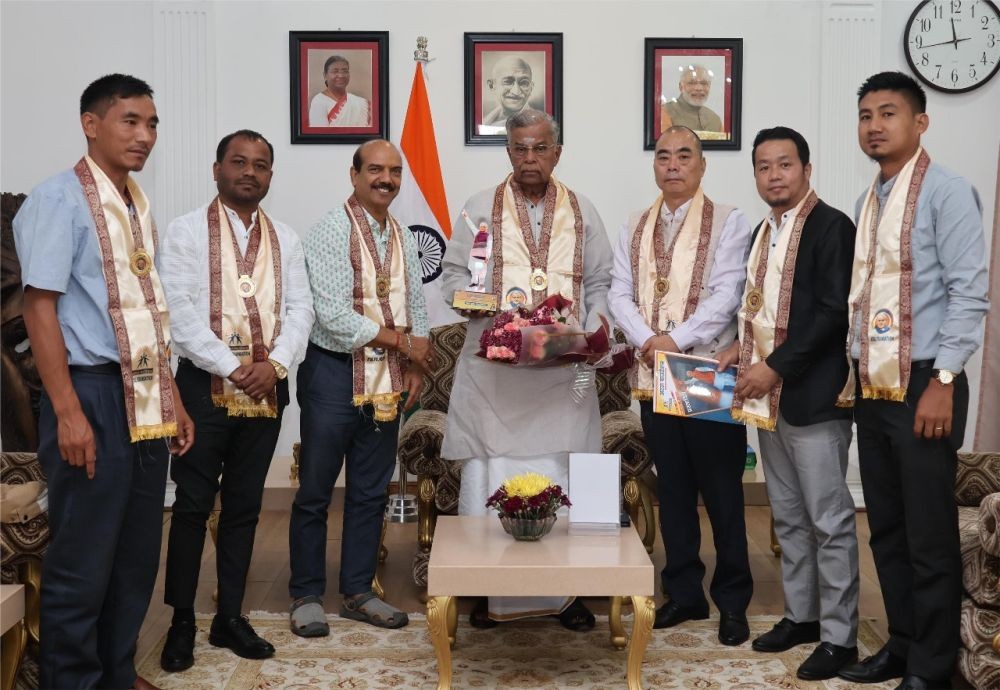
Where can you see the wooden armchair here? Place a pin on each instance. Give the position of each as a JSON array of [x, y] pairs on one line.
[[438, 480], [22, 546]]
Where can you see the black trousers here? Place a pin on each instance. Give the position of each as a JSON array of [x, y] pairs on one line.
[[692, 456], [909, 487], [239, 450], [104, 548]]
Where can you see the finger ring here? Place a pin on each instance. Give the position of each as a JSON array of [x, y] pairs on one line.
[[938, 428]]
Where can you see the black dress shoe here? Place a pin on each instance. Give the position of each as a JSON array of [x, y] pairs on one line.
[[237, 634], [178, 650], [917, 683], [733, 628], [826, 660], [785, 635], [879, 668], [672, 613]]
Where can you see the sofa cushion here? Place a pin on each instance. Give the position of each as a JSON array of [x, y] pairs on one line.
[[980, 569], [978, 476], [979, 626], [447, 342], [989, 524], [621, 432], [420, 443], [981, 670], [24, 540]]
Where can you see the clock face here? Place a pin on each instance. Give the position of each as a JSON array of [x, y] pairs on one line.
[[954, 45]]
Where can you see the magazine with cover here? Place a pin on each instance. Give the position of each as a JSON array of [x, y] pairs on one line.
[[688, 386]]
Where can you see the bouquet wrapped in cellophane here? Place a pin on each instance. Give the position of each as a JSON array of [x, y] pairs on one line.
[[549, 336]]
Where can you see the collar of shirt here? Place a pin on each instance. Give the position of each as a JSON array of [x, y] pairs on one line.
[[776, 227], [882, 189], [377, 230], [241, 231], [677, 216]]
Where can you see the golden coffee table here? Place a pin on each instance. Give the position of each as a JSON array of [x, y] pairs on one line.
[[473, 556]]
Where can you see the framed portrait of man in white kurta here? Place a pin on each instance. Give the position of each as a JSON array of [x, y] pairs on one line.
[[505, 74]]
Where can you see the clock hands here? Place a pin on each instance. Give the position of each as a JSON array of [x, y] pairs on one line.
[[955, 40], [954, 35]]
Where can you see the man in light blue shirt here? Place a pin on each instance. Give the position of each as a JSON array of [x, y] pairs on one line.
[[368, 347], [908, 447], [105, 490]]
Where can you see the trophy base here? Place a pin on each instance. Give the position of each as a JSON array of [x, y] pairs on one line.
[[475, 301]]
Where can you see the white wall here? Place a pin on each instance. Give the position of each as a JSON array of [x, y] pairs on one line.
[[602, 97]]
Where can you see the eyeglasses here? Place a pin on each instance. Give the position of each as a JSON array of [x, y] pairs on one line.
[[520, 151], [523, 83]]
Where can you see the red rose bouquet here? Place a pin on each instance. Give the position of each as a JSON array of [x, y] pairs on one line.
[[547, 336]]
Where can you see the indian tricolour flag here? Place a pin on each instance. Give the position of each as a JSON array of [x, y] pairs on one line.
[[421, 203]]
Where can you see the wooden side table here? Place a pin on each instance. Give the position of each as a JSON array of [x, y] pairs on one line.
[[473, 556]]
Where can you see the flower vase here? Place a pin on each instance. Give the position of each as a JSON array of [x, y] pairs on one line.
[[525, 529]]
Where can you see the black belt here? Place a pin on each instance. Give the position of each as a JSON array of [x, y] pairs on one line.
[[342, 356], [108, 368]]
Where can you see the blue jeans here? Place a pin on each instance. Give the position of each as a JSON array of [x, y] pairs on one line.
[[333, 429]]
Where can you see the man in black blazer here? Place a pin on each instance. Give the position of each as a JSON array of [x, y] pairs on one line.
[[793, 325]]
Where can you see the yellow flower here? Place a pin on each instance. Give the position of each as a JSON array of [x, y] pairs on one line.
[[527, 485]]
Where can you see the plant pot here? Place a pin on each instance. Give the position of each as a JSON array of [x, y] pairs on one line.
[[523, 529]]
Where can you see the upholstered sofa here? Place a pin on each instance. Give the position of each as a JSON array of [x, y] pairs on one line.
[[977, 490], [438, 480]]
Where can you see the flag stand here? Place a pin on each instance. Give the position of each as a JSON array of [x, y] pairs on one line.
[[402, 506]]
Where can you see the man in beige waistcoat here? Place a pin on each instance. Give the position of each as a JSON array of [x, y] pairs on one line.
[[680, 267]]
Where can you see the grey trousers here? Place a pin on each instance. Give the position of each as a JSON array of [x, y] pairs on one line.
[[805, 468]]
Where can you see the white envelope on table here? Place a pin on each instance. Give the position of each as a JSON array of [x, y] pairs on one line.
[[595, 491]]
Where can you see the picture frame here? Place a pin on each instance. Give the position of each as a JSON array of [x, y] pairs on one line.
[[325, 64], [705, 95], [531, 65]]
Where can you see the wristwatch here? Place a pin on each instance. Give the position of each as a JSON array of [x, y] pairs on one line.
[[279, 369], [943, 376]]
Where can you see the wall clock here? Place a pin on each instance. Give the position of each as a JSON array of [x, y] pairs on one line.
[[953, 45]]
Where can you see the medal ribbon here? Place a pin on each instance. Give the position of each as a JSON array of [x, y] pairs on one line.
[[883, 271], [238, 314], [521, 261], [378, 372], [136, 303], [652, 261], [763, 315]]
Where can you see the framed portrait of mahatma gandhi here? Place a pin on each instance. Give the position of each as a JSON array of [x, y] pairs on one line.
[[697, 83], [339, 86], [505, 74]]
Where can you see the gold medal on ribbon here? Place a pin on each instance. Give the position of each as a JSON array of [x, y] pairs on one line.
[[247, 287], [140, 263], [661, 287], [539, 279], [755, 300], [382, 287]]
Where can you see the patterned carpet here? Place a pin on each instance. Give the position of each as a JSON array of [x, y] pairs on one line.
[[530, 654]]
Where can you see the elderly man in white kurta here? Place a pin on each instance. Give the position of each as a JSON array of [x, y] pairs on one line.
[[503, 420]]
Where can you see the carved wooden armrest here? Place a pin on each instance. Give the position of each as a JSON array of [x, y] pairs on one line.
[[426, 512]]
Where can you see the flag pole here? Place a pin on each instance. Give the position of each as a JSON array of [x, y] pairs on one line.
[[402, 507]]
